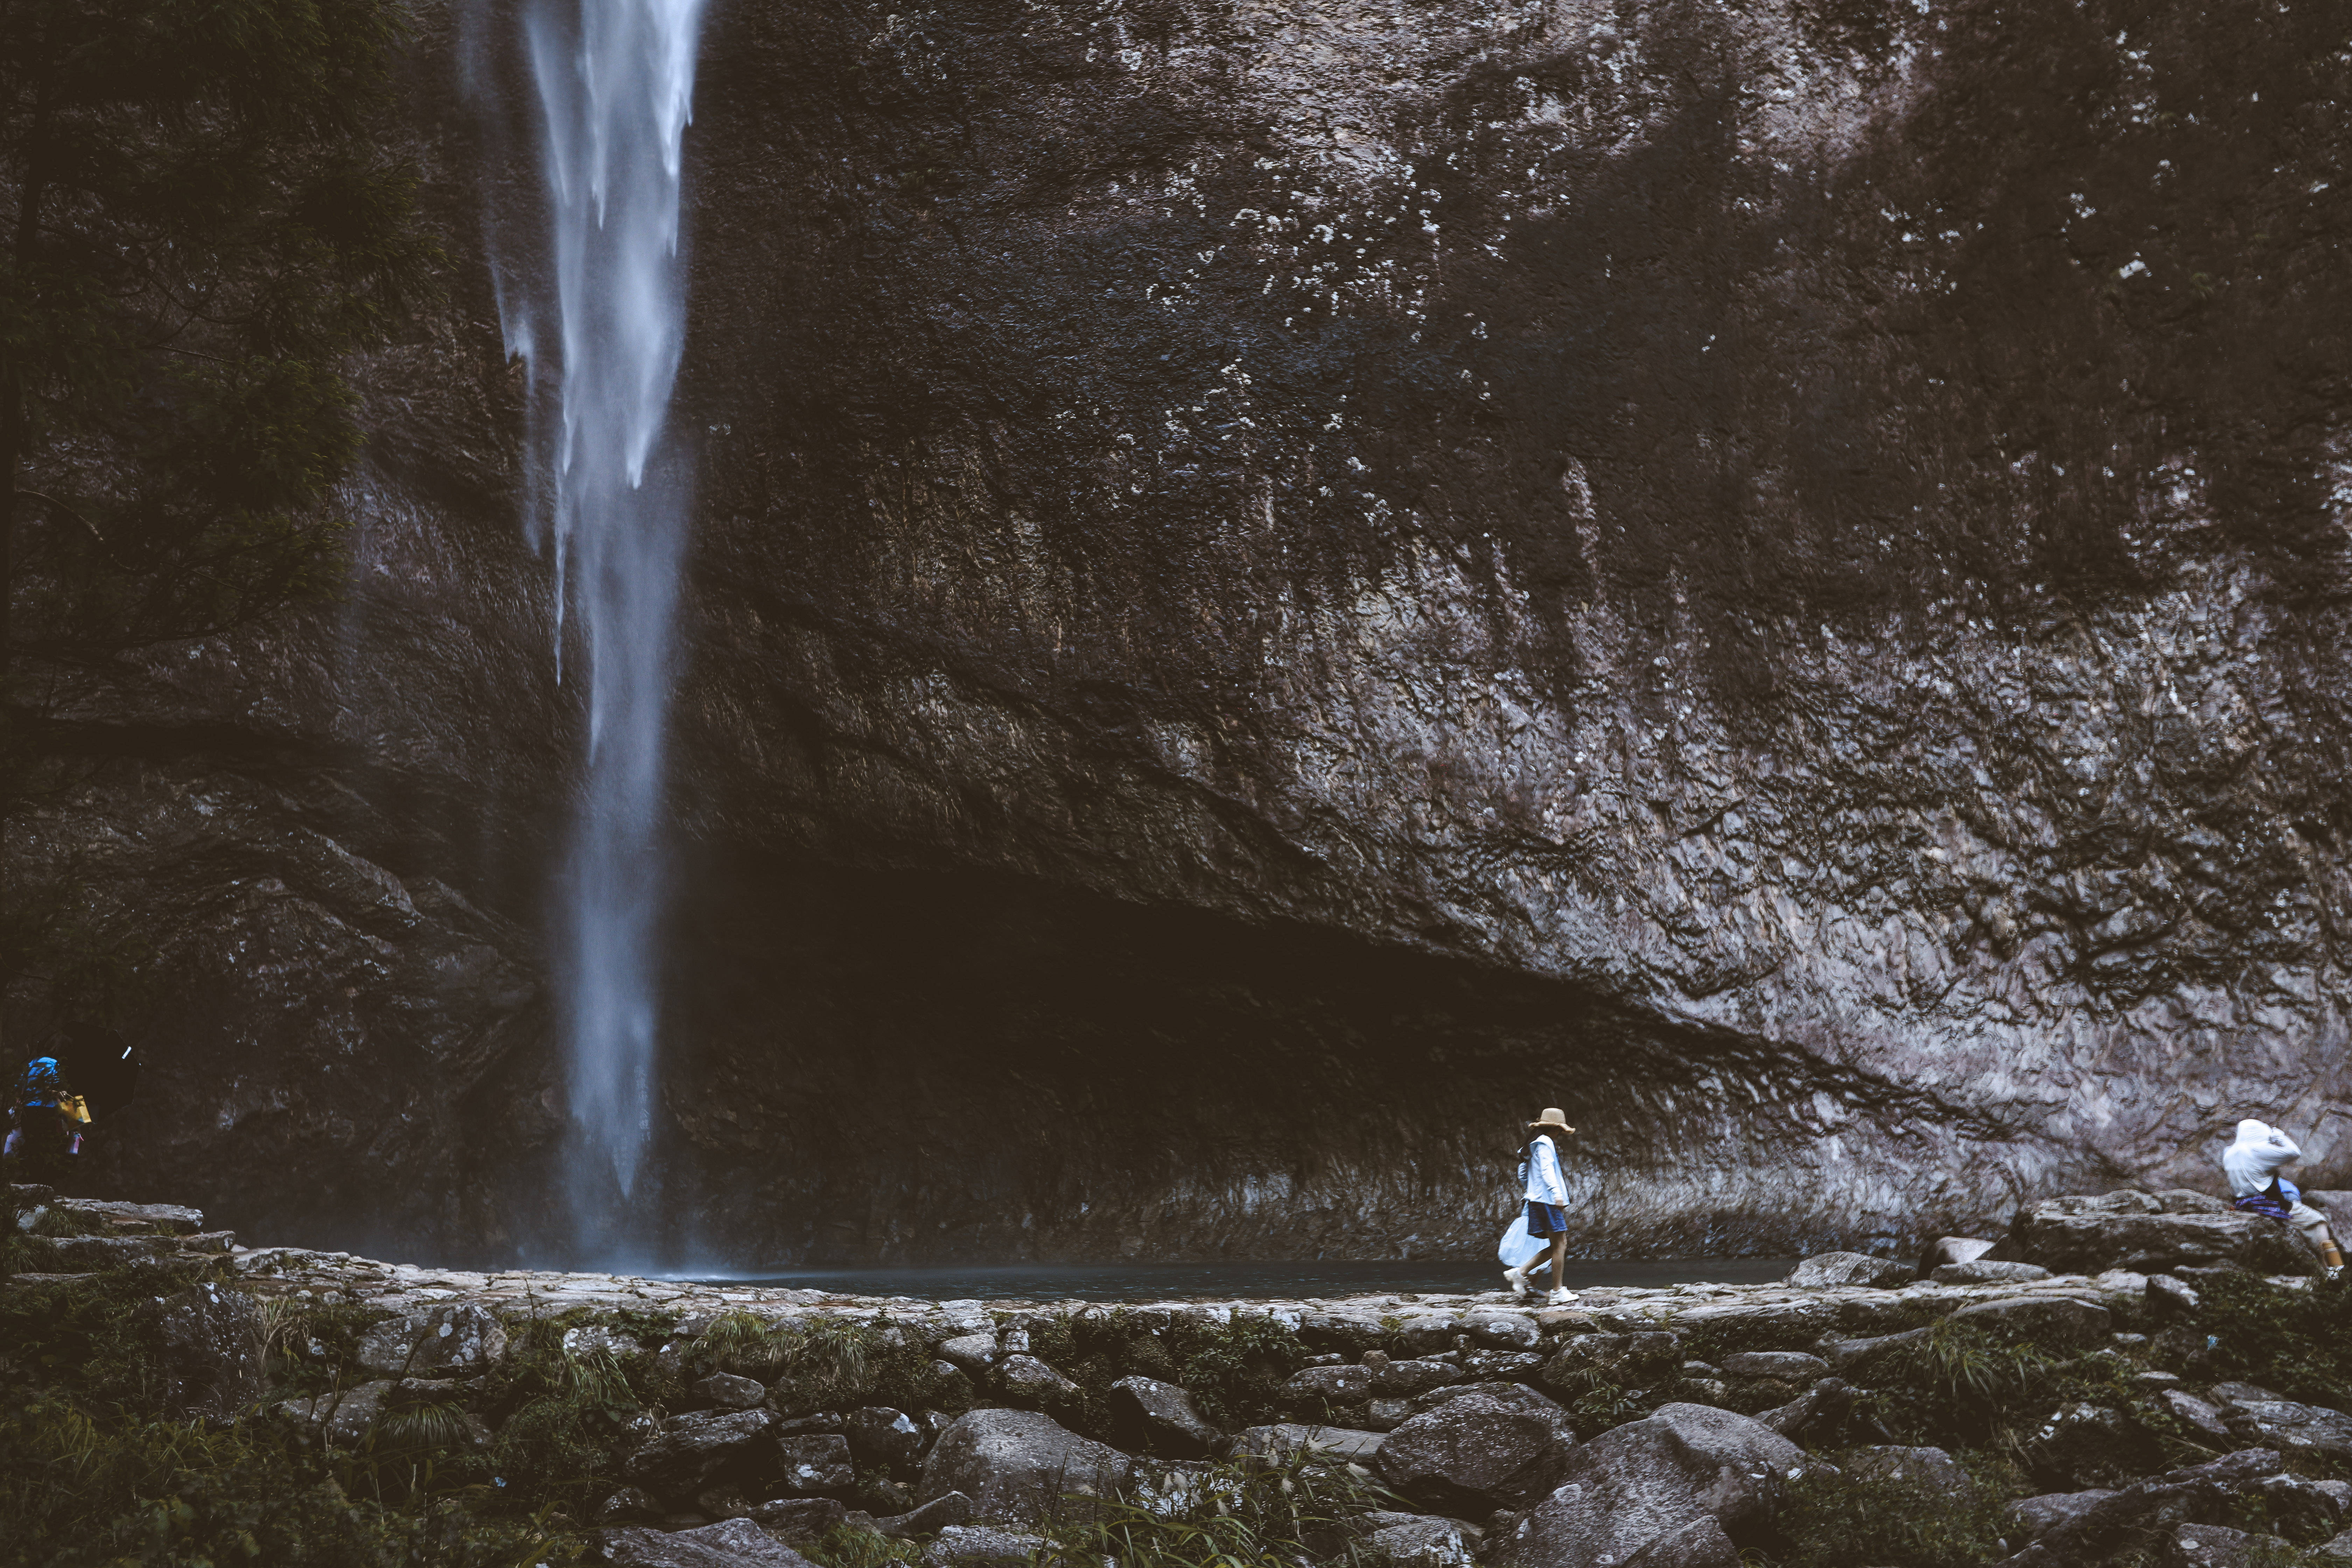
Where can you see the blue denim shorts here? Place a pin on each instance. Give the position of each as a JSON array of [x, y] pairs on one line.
[[1546, 1219]]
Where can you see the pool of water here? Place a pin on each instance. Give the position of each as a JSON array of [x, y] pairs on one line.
[[1240, 1281]]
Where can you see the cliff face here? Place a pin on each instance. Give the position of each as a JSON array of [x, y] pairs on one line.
[[1275, 588]]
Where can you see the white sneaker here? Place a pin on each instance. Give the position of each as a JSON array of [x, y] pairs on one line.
[[1517, 1278], [1561, 1296]]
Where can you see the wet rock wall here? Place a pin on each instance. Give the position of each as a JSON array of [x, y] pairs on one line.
[[1276, 586]]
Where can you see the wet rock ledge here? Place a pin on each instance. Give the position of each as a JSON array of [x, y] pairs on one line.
[[2079, 1414]]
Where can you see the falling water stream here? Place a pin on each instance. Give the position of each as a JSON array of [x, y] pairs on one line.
[[614, 84]]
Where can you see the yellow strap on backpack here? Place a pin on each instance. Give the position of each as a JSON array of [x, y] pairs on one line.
[[72, 1109]]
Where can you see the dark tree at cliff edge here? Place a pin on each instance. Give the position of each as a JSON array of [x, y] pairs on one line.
[[200, 226]]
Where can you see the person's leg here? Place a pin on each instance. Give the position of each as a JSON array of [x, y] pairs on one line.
[[2313, 1227], [1558, 1260]]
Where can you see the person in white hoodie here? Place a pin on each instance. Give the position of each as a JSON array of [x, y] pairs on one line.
[[1547, 1200], [2253, 1163]]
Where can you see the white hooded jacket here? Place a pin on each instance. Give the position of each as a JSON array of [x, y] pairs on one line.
[[2257, 1157]]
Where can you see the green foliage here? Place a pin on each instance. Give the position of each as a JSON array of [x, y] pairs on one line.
[[569, 1416], [1834, 1518], [1235, 1370], [1231, 1515], [848, 1546], [2295, 1341], [317, 1339], [1958, 1384], [92, 1472], [747, 1346]]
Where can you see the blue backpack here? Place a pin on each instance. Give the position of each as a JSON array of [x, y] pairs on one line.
[[42, 1084]]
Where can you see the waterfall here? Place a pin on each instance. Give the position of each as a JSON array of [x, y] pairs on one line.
[[614, 83]]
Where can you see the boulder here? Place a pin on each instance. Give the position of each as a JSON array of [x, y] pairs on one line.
[[2218, 1546], [2082, 1446], [630, 1505], [2301, 1506], [962, 1544], [1955, 1249], [2050, 1319], [438, 1340], [1161, 1418], [1381, 1378], [1858, 1356], [1836, 1268], [1019, 1465], [1488, 1364], [1426, 1333], [815, 1420], [804, 1519], [690, 1449], [1818, 1413], [1619, 1358], [1890, 1462], [1988, 1271], [2178, 1295], [2088, 1534], [209, 1340], [1334, 1445], [2337, 1546], [1502, 1330], [933, 1516], [882, 1436], [594, 1339], [2136, 1231], [815, 1463], [731, 1543], [1788, 1366], [1480, 1452], [93, 1252], [134, 1219], [1026, 1377], [2203, 1419], [1418, 1540], [725, 1391], [341, 1417], [1683, 1487], [1743, 1322], [2035, 1517], [974, 1354], [2291, 1428]]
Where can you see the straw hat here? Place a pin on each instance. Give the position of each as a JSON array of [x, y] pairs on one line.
[[1552, 1120]]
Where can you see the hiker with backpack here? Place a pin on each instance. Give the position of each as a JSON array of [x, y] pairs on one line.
[[2253, 1165], [47, 1117], [1545, 1191]]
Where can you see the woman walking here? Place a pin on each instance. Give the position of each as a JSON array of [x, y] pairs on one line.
[[1546, 1192]]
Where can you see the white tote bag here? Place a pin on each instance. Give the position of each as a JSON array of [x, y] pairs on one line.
[[1518, 1248]]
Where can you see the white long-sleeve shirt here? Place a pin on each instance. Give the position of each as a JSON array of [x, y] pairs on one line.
[[1545, 1183], [2258, 1156]]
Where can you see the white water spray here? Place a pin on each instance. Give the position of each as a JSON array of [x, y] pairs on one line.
[[614, 80]]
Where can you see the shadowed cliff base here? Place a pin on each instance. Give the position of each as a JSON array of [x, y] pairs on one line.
[[909, 1068]]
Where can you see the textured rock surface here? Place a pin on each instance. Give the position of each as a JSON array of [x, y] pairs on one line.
[[211, 1343], [2145, 1231], [1687, 1485], [730, 1543], [1161, 1418], [1242, 551], [1480, 1452], [1019, 1465], [435, 1342], [1850, 1268]]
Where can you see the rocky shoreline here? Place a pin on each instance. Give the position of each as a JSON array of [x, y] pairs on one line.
[[2086, 1373]]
